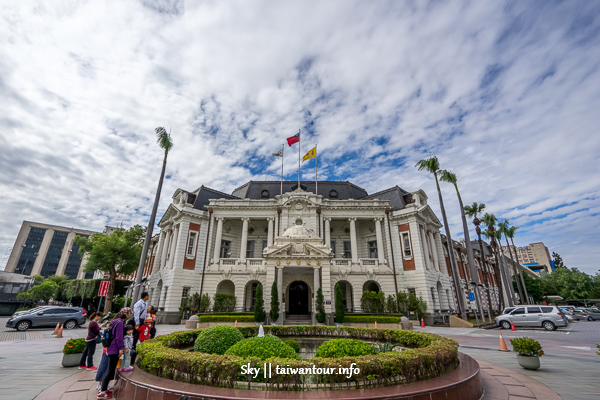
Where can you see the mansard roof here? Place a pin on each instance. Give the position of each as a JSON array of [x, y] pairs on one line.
[[257, 190], [397, 197], [203, 196]]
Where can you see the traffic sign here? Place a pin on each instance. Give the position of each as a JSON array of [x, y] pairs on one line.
[[103, 290], [471, 296]]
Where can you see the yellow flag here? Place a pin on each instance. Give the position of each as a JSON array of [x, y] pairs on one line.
[[312, 153]]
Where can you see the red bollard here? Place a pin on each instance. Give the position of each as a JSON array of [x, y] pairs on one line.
[[422, 323]]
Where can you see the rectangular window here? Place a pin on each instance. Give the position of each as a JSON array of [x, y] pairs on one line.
[[347, 249], [264, 245], [406, 249], [250, 249], [372, 249], [533, 310], [412, 291], [225, 249], [185, 292], [192, 244], [333, 248]]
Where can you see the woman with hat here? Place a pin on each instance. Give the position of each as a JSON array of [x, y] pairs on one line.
[[115, 350]]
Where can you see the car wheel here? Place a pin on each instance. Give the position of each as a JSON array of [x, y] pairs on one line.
[[505, 324], [549, 326], [70, 324], [590, 319], [23, 325]]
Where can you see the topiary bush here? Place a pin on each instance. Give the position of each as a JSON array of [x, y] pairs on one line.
[[262, 348], [344, 348], [293, 344], [217, 339]]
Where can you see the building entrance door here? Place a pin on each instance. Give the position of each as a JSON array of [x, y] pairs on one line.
[[298, 298]]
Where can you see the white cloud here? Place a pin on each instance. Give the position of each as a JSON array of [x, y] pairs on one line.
[[505, 94]]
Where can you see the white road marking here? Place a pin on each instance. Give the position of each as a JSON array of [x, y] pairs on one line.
[[577, 347]]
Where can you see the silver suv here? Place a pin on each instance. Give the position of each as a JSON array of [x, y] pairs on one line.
[[548, 317], [48, 316]]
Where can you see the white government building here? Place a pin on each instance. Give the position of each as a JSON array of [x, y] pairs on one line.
[[212, 242]]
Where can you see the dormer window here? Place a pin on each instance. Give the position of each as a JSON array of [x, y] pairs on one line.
[[264, 194], [333, 194]]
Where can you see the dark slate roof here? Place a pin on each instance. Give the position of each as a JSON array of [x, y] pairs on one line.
[[486, 251], [203, 195], [327, 189], [396, 196]]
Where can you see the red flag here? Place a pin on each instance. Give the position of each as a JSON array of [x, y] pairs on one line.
[[293, 139]]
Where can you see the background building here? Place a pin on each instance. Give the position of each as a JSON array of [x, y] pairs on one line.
[[42, 249], [536, 257]]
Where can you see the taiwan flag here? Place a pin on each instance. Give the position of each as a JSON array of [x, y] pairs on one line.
[[293, 139]]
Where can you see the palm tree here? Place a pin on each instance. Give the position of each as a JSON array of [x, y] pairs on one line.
[[473, 211], [511, 234], [166, 143], [432, 165], [450, 177], [508, 286], [503, 229], [490, 221]]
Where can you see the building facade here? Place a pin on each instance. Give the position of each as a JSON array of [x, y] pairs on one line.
[[536, 257], [42, 249], [211, 242]]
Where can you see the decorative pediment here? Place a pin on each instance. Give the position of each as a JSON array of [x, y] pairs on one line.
[[298, 249]]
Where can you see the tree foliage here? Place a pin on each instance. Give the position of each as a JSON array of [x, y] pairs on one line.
[[259, 305], [558, 261], [320, 316], [339, 305], [117, 253], [44, 292], [274, 312]]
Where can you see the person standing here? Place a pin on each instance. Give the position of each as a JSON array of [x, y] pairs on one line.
[[90, 342], [114, 351]]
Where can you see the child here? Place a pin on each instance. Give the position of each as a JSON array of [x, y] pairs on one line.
[[127, 346], [144, 330]]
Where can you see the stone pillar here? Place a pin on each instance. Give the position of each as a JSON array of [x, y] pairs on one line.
[[327, 292], [174, 246], [327, 234], [280, 294], [424, 247], [270, 232], [244, 243], [165, 249], [434, 251], [218, 236], [380, 250], [42, 252], [317, 285], [353, 244], [267, 289]]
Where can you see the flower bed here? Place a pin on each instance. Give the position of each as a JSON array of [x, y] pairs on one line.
[[428, 356]]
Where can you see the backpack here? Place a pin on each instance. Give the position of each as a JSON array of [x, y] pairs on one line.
[[107, 335]]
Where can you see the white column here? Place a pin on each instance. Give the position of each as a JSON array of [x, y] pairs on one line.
[[317, 281], [280, 292], [353, 244], [165, 249], [380, 250], [174, 246], [327, 235], [434, 251], [424, 247], [218, 236], [270, 232], [244, 243]]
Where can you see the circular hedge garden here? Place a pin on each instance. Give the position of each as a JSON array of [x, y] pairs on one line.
[[217, 339], [426, 356]]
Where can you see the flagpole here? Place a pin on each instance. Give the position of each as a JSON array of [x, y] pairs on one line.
[[299, 159], [282, 150], [316, 180]]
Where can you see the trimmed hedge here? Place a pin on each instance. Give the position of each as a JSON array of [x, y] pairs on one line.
[[336, 348], [293, 344], [371, 319], [217, 339], [263, 348], [428, 356], [225, 317]]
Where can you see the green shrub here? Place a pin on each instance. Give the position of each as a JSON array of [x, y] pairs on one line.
[[274, 312], [370, 319], [262, 348], [259, 305], [339, 305], [225, 317], [293, 344], [224, 302], [373, 302], [217, 339], [74, 346], [527, 347], [344, 348], [204, 304], [391, 304], [320, 316]]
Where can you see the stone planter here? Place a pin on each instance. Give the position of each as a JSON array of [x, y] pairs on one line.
[[528, 362], [71, 360]]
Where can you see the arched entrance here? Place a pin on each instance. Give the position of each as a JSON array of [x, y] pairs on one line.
[[298, 298]]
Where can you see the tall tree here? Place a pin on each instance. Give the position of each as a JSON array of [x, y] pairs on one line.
[[166, 143], [274, 312], [339, 305], [450, 177], [490, 222], [511, 235], [503, 229], [259, 305], [117, 253], [432, 166], [473, 211], [558, 261]]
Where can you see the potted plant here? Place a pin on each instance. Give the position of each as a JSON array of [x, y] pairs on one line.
[[72, 352], [528, 352]]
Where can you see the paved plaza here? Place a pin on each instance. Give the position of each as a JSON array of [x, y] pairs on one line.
[[31, 363]]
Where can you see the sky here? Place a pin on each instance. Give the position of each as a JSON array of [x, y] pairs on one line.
[[505, 94]]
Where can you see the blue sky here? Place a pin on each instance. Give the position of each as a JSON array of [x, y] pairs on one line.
[[506, 94]]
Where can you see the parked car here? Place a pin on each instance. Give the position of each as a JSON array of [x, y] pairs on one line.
[[568, 314], [508, 309], [587, 313], [69, 317], [548, 317]]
